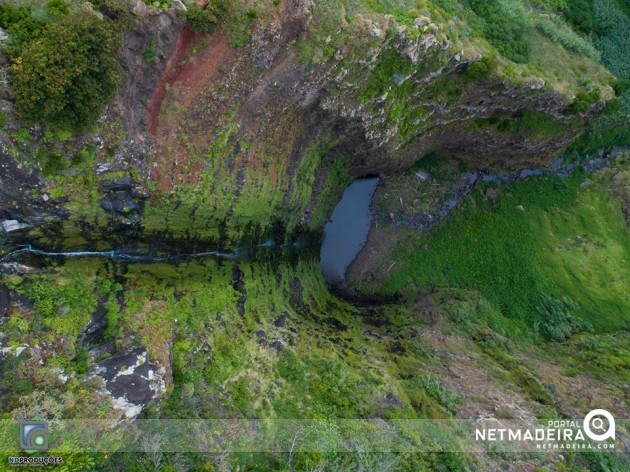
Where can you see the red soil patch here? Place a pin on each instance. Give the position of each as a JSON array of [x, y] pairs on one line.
[[191, 74], [189, 71]]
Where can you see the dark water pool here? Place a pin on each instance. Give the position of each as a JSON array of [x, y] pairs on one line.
[[346, 232]]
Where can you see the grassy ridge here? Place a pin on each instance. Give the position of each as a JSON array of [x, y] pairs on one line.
[[565, 242]]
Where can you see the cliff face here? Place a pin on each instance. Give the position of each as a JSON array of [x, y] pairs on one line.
[[148, 44], [384, 99], [233, 133]]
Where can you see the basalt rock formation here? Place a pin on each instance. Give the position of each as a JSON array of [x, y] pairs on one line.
[[280, 108]]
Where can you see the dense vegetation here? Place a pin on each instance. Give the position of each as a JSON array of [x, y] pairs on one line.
[[610, 29], [67, 75], [295, 352], [64, 67], [542, 241], [502, 27]]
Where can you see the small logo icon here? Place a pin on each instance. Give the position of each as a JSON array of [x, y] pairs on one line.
[[34, 435], [592, 421]]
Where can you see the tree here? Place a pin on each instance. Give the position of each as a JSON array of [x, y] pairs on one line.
[[66, 76]]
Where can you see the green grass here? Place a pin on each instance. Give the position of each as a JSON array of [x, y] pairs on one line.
[[586, 250], [504, 262], [612, 26], [533, 124], [515, 372], [567, 242], [525, 124], [340, 369], [604, 356]]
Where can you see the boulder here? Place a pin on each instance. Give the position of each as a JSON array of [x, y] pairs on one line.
[[13, 225], [120, 203], [130, 380]]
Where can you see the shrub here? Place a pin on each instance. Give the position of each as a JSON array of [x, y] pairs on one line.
[[531, 123], [612, 37], [23, 135], [150, 52], [381, 79], [583, 100], [558, 324], [432, 386], [113, 9], [502, 28], [610, 130], [57, 8], [206, 19], [19, 23], [483, 68], [66, 76], [621, 87], [580, 14]]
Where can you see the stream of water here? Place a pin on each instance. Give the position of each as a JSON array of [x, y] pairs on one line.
[[120, 255]]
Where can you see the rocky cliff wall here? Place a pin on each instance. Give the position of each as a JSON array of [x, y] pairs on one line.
[[242, 133]]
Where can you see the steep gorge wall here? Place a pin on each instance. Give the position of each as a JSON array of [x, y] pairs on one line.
[[245, 122], [227, 137]]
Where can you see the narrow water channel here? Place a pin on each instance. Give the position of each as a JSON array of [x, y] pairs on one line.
[[346, 232], [119, 256]]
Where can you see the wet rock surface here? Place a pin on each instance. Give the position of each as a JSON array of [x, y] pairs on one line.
[[5, 300], [238, 284], [272, 93], [156, 31], [124, 198], [15, 183], [13, 225], [93, 333]]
